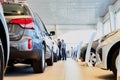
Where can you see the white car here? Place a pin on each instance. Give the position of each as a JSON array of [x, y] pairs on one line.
[[108, 50], [4, 44]]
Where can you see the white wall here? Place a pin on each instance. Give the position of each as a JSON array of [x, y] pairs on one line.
[[111, 17], [72, 34], [62, 29]]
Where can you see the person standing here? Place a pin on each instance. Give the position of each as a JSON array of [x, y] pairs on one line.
[[72, 52], [59, 46], [63, 46]]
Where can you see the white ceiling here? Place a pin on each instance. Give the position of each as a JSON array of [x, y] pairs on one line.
[[70, 11]]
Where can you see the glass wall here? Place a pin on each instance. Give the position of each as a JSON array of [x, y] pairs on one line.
[[117, 17], [106, 27]]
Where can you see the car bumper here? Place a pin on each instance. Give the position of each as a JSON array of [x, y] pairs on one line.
[[21, 55]]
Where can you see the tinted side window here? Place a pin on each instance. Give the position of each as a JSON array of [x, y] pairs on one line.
[[40, 23]]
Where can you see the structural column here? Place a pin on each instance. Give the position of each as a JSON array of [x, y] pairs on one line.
[[100, 29], [79, 51]]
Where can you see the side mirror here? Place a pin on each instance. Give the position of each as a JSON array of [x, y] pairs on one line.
[[52, 33]]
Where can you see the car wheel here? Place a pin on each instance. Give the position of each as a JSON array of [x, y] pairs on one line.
[[50, 61], [115, 61], [92, 58], [55, 57], [1, 61], [39, 65]]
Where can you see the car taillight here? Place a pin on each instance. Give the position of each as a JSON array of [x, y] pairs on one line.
[[4, 2], [29, 44], [26, 23]]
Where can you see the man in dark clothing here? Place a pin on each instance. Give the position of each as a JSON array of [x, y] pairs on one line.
[[59, 46], [63, 46]]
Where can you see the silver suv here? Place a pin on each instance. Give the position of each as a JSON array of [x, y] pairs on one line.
[[27, 41]]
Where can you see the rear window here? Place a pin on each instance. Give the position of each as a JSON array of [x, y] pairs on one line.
[[15, 9]]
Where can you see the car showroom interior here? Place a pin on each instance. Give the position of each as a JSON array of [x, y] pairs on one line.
[[59, 39]]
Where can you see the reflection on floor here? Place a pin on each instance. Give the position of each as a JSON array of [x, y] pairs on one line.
[[61, 70]]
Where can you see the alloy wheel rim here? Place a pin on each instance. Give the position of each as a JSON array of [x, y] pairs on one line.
[[92, 58]]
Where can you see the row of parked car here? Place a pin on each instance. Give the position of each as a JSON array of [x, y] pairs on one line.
[[25, 35], [103, 52]]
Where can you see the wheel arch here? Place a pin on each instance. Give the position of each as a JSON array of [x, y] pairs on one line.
[[92, 49], [110, 54]]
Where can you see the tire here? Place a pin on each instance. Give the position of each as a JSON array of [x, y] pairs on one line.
[[1, 61], [83, 55], [92, 58], [50, 61], [55, 57], [39, 65], [114, 60]]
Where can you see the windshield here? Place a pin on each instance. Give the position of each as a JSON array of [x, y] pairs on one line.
[[15, 9]]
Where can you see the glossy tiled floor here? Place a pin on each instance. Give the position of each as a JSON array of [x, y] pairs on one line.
[[62, 70]]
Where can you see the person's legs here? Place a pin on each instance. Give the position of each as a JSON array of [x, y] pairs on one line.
[[59, 55], [63, 54]]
